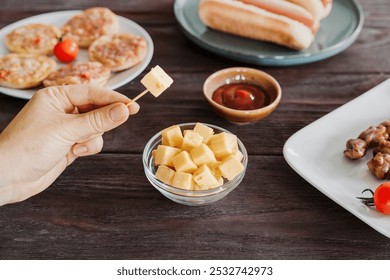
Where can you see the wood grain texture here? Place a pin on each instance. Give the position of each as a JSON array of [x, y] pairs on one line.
[[122, 216], [103, 207]]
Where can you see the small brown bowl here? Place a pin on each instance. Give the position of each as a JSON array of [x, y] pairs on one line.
[[242, 75]]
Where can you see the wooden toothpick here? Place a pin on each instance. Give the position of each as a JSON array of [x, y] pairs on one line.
[[137, 97]]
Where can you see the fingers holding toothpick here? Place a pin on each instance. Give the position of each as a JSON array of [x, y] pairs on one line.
[[137, 97]]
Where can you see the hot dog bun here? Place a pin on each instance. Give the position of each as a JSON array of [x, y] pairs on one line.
[[318, 8], [328, 7], [238, 18], [288, 9]]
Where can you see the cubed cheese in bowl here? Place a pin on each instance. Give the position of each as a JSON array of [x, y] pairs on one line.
[[195, 164]]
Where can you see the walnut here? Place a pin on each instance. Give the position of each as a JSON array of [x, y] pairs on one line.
[[355, 148], [383, 147], [380, 166], [374, 135], [377, 137]]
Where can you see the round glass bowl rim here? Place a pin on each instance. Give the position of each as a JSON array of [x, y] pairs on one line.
[[230, 185]]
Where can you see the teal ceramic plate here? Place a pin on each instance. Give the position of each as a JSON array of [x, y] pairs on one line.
[[338, 31]]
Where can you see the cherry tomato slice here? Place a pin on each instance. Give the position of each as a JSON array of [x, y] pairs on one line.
[[66, 50], [380, 198]]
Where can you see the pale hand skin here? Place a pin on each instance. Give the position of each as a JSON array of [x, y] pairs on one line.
[[58, 125]]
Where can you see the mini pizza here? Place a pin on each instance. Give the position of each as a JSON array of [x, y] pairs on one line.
[[118, 51], [79, 73], [33, 38], [23, 71], [86, 27]]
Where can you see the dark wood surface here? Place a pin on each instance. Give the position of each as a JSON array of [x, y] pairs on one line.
[[103, 207]]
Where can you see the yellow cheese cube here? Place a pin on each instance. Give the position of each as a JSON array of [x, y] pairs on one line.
[[191, 140], [199, 188], [183, 162], [204, 131], [183, 180], [172, 136], [157, 81], [203, 155], [185, 131], [237, 154], [164, 141], [233, 141], [216, 171], [231, 167], [165, 174], [223, 144], [204, 178], [165, 154], [220, 182]]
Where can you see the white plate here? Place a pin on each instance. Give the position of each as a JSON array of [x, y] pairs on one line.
[[316, 153], [59, 19]]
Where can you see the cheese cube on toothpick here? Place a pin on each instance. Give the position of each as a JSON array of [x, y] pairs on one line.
[[156, 82]]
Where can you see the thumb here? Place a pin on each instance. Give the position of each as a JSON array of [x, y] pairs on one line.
[[99, 120]]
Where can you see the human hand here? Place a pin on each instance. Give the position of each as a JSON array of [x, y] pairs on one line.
[[58, 125]]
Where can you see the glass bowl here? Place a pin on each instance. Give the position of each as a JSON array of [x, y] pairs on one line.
[[194, 197]]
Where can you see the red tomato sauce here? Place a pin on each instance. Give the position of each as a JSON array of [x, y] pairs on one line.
[[241, 96]]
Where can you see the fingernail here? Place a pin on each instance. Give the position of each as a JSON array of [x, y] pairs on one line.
[[134, 108], [118, 112], [80, 149]]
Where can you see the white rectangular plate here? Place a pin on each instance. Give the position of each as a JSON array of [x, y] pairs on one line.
[[316, 153]]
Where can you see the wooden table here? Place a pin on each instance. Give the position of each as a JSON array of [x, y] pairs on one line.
[[103, 207]]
